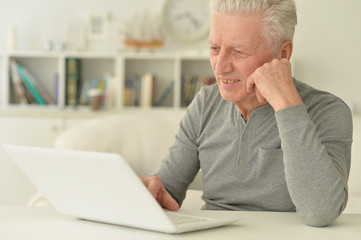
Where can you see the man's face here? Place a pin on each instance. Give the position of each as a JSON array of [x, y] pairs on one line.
[[236, 50]]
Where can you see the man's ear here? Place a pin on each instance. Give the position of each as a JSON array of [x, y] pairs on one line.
[[286, 49]]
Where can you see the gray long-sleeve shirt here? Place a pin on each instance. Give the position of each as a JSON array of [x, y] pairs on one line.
[[297, 159]]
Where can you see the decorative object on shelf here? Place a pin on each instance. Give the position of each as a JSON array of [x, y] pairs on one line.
[[47, 45], [187, 20], [12, 39], [96, 98], [98, 26], [104, 90], [143, 32], [47, 35], [100, 32], [59, 46]]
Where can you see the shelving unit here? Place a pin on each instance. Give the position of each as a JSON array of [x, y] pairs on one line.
[[47, 66]]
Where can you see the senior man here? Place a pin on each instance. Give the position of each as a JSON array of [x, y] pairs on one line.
[[263, 140]]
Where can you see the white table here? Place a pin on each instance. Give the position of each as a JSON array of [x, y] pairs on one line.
[[44, 223]]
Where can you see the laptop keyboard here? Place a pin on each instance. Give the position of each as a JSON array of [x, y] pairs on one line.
[[182, 219]]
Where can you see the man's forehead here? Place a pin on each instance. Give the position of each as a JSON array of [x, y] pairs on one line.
[[235, 30], [234, 43]]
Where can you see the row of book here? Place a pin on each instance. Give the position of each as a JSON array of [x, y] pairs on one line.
[[27, 89], [191, 84], [140, 90]]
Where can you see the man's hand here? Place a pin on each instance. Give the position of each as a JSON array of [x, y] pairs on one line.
[[273, 83], [157, 189]]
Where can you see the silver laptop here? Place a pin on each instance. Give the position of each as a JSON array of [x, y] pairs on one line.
[[102, 187]]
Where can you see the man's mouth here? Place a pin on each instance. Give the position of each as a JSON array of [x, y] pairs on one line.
[[230, 81]]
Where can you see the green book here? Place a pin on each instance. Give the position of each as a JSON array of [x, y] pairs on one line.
[[72, 81], [28, 83]]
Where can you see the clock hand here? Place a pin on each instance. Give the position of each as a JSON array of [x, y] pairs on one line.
[[180, 16], [193, 20]]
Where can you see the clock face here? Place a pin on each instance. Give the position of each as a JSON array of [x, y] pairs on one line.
[[187, 20]]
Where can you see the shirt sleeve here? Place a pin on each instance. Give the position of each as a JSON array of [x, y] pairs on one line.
[[181, 165], [317, 155]]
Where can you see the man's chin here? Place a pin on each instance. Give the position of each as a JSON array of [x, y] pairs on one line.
[[230, 97]]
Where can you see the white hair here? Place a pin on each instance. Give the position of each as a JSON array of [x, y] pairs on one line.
[[279, 17]]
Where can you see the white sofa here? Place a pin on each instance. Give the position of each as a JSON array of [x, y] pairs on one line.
[[144, 138]]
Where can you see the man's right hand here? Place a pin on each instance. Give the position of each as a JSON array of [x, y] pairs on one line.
[[157, 189]]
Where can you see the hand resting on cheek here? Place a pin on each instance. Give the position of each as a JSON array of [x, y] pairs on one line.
[[273, 83]]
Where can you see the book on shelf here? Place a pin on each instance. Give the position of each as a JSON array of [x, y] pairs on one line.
[[30, 86], [110, 91], [147, 90], [27, 88], [40, 89], [18, 84], [165, 94], [129, 90], [72, 74], [29, 97], [188, 85], [56, 88], [191, 84], [139, 90]]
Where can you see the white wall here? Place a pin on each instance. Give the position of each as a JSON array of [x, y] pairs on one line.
[[327, 51], [36, 19]]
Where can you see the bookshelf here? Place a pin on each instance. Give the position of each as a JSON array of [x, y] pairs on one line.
[[50, 70]]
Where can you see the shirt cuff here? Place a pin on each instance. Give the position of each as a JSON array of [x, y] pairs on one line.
[[292, 117]]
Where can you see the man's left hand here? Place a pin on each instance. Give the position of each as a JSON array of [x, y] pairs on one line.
[[273, 83]]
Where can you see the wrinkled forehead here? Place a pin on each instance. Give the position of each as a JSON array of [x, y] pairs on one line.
[[236, 29]]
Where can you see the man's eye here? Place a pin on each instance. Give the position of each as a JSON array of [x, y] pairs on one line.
[[239, 53], [214, 49]]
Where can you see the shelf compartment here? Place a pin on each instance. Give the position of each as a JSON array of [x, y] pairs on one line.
[[161, 69], [195, 73], [47, 77]]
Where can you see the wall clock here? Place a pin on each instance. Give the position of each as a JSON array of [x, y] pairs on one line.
[[187, 20]]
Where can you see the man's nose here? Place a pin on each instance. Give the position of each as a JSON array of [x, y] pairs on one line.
[[223, 63]]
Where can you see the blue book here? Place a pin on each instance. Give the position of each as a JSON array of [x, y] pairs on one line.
[[165, 94]]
